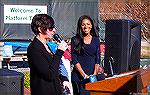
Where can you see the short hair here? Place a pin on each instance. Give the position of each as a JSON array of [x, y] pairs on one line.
[[43, 21]]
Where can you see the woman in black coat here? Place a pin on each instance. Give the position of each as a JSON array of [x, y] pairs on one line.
[[44, 65]]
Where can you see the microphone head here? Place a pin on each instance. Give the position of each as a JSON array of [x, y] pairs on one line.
[[57, 38]]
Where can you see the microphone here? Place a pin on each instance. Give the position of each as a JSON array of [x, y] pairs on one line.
[[57, 38], [111, 68]]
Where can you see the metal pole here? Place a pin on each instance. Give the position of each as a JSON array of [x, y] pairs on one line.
[[1, 54]]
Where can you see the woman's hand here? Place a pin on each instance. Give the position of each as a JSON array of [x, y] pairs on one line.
[[86, 76], [68, 87], [63, 45]]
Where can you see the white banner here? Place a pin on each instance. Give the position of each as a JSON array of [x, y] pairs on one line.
[[22, 13]]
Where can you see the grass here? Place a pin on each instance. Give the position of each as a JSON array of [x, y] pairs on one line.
[[27, 79]]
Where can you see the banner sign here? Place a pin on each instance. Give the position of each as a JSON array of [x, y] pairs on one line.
[[22, 13]]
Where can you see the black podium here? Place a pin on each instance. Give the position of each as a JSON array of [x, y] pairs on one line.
[[11, 82]]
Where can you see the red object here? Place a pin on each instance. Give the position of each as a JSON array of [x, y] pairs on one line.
[[102, 48], [67, 53]]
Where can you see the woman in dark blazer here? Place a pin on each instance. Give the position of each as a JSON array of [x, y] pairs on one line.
[[44, 65]]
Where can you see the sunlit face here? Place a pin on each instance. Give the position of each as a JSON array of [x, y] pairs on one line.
[[50, 33], [86, 26]]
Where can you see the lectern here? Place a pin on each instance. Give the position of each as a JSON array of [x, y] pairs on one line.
[[123, 84]]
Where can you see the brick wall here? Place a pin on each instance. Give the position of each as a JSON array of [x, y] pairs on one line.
[[127, 9]]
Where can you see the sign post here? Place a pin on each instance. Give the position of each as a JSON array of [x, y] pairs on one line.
[[1, 56]]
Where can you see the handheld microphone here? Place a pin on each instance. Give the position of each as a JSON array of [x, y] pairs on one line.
[[57, 38]]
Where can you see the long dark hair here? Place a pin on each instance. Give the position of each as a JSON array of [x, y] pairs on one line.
[[79, 36]]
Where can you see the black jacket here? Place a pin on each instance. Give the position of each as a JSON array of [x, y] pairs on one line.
[[44, 69]]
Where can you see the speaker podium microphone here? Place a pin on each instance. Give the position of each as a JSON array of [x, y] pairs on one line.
[[111, 61]]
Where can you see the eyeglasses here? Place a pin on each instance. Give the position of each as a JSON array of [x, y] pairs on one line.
[[51, 27]]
